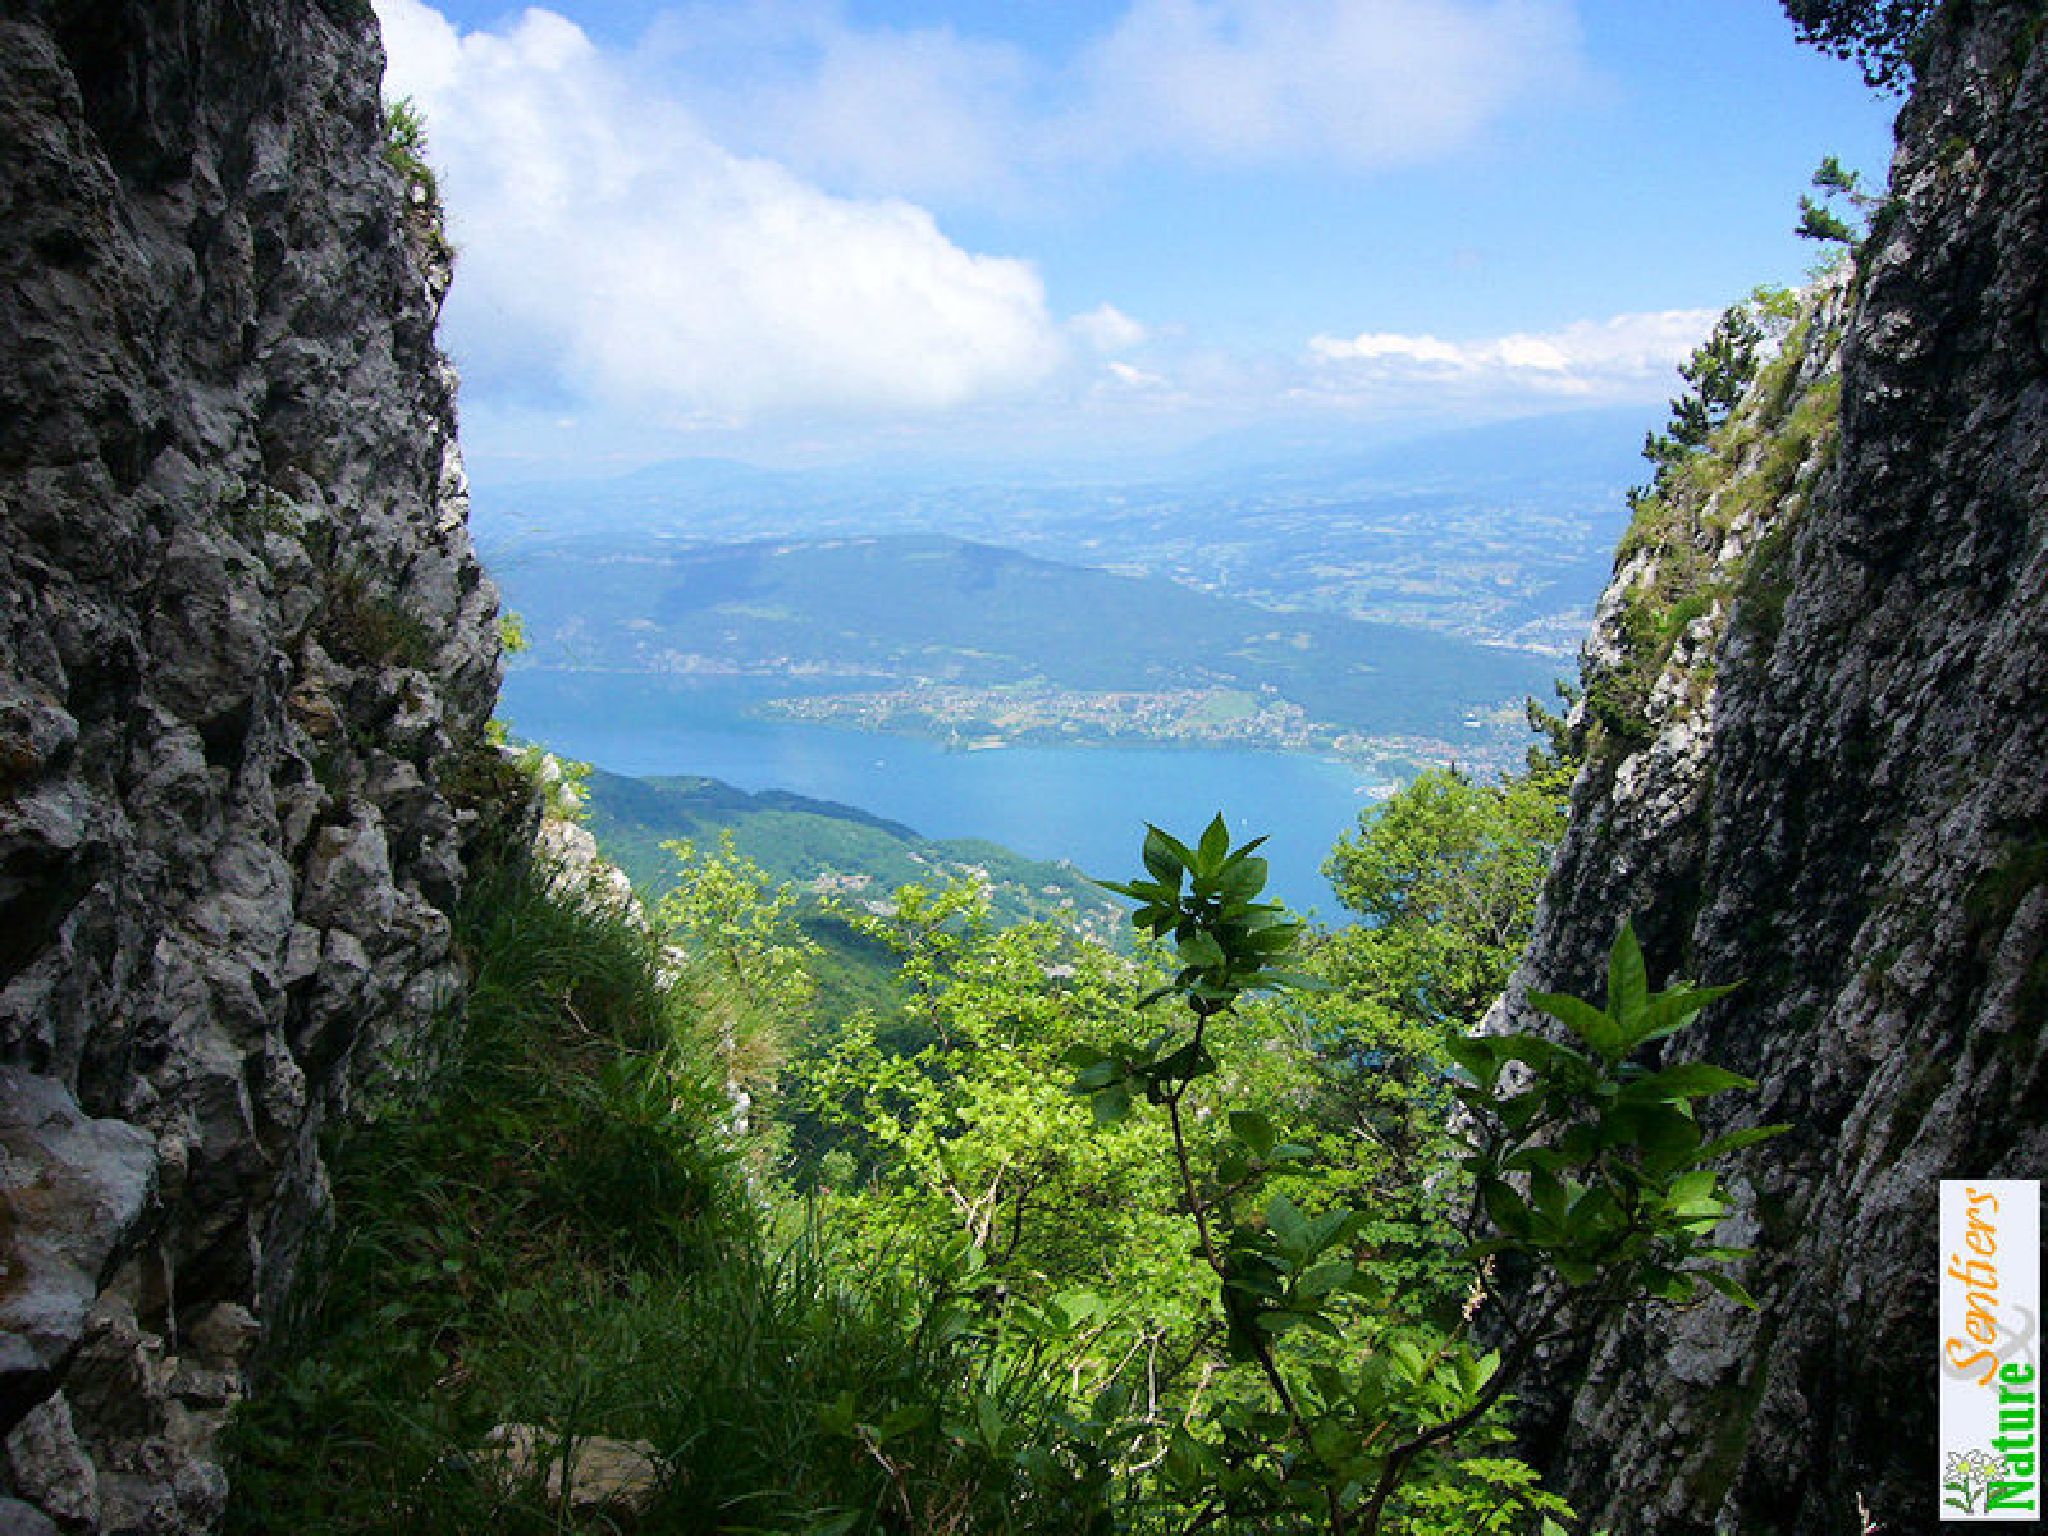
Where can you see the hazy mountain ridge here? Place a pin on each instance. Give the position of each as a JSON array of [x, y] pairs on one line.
[[900, 612], [1500, 534]]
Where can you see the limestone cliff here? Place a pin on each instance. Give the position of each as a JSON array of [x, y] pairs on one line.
[[243, 643], [1817, 767]]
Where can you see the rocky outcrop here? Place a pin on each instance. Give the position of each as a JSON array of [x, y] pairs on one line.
[[243, 645], [1850, 814]]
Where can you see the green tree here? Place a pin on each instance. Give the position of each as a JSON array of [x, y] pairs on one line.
[[1446, 876], [956, 1124], [1719, 370], [1880, 35], [1839, 188], [744, 961]]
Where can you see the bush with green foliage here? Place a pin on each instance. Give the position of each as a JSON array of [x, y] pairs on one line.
[[749, 961], [557, 1235], [1718, 372], [405, 151], [1713, 508], [1337, 1408]]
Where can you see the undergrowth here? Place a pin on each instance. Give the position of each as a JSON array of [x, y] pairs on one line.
[[556, 1237]]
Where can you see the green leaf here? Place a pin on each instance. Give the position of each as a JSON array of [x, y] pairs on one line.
[[1669, 1011], [1687, 1080], [1735, 1140], [1080, 1307], [838, 1416], [1184, 1065], [1111, 1104], [1243, 879], [1547, 1195], [1530, 1159], [1099, 1076], [1287, 1221], [1666, 1284], [1594, 1214], [1188, 1461], [1670, 1139], [1254, 1130], [1165, 856], [1597, 1029], [1321, 1279], [1479, 1056], [1731, 1289], [1505, 1208], [1694, 1196], [1214, 847], [988, 1416], [1476, 1373], [1628, 983], [1409, 1357]]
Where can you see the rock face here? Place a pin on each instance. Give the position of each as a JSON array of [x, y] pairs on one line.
[[244, 645], [1852, 816]]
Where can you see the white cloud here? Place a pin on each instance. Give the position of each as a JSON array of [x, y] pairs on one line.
[[1133, 376], [932, 114], [922, 113], [1368, 82], [1108, 329], [1627, 355], [610, 246]]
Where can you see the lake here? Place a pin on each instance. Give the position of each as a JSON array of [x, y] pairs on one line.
[[1085, 804]]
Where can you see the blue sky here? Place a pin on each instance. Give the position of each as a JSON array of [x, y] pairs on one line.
[[798, 230]]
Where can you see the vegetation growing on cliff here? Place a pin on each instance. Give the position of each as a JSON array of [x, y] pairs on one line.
[[891, 1272], [1744, 448]]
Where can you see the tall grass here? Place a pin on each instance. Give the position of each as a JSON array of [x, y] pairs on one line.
[[558, 1236]]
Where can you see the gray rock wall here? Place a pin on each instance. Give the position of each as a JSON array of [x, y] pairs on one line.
[[244, 649], [1854, 821]]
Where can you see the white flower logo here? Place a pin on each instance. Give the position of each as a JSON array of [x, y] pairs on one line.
[[1968, 1478]]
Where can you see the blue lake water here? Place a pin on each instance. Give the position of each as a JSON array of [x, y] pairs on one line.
[[1085, 804]]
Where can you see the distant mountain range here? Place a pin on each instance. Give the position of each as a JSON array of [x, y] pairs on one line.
[[1502, 534], [904, 611]]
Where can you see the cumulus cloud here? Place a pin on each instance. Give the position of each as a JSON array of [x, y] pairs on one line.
[[920, 112], [1369, 82], [1627, 355], [609, 244], [929, 113], [1108, 329]]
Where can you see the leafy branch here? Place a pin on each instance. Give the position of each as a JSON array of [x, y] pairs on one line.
[[1585, 1161]]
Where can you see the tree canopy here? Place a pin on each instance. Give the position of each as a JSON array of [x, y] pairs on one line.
[[1880, 35]]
